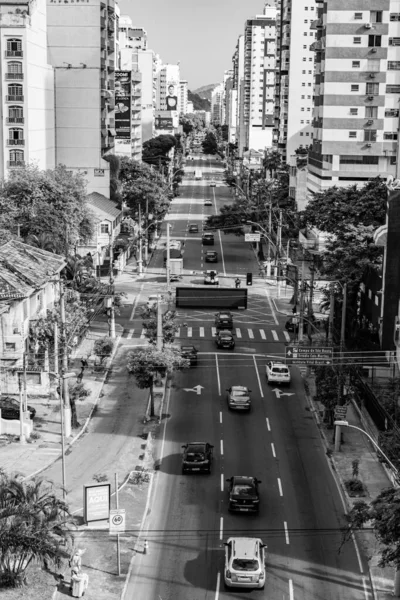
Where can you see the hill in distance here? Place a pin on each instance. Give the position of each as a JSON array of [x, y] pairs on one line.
[[198, 102], [205, 91]]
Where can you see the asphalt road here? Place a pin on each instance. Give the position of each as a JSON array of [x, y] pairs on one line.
[[301, 512]]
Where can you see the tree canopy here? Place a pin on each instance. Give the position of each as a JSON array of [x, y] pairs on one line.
[[169, 327], [141, 182], [155, 151], [210, 144]]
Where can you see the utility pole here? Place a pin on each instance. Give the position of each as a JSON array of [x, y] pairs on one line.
[[310, 308], [140, 259], [63, 382], [168, 261], [159, 324], [280, 233], [146, 240], [111, 330], [331, 313], [64, 350], [338, 433], [24, 382], [301, 321], [22, 438], [56, 358]]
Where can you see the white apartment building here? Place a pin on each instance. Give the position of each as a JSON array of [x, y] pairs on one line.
[[189, 107], [168, 80], [183, 97], [238, 86], [147, 62], [27, 81], [357, 92], [217, 98], [84, 61], [294, 99]]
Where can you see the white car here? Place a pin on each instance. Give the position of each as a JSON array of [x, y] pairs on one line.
[[211, 278], [245, 562], [278, 373], [208, 203], [213, 184]]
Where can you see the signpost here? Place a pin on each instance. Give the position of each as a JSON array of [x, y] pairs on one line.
[[303, 355], [252, 237], [340, 412], [117, 520]]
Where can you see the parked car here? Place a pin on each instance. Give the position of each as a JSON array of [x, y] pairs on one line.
[[224, 320], [211, 278], [208, 239], [10, 409], [211, 256], [193, 228], [243, 494], [224, 339], [197, 457], [278, 373], [245, 562], [238, 397], [189, 352]]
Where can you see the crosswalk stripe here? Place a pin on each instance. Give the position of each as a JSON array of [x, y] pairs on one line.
[[287, 336], [238, 333], [262, 333], [251, 334], [213, 331], [131, 332], [178, 332], [275, 335], [201, 331], [190, 331], [143, 334]]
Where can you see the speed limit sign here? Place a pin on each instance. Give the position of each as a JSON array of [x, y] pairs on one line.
[[117, 520]]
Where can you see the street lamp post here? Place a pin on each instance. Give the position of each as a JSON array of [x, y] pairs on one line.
[[338, 434], [270, 243]]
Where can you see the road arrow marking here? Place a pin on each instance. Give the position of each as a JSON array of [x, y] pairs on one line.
[[197, 389], [279, 393]]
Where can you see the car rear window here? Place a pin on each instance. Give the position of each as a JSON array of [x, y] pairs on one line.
[[195, 455], [240, 393], [245, 564], [243, 490], [281, 370]]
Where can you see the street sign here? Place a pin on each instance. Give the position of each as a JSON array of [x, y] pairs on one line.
[[340, 412], [252, 237], [117, 520], [307, 355]]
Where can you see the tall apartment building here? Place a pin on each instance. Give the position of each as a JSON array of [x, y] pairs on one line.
[[294, 97], [27, 82], [258, 91], [168, 83], [238, 86], [84, 61], [357, 92], [147, 62], [183, 97], [217, 97]]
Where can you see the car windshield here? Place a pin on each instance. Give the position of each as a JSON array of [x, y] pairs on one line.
[[243, 489], [225, 336], [224, 316], [245, 564], [283, 370], [239, 393]]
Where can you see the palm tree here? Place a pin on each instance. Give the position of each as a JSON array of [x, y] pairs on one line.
[[32, 527], [46, 241]]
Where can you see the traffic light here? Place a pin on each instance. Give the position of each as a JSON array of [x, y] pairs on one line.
[[249, 279]]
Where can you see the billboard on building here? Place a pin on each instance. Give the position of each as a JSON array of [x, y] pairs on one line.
[[171, 99], [123, 101], [164, 120]]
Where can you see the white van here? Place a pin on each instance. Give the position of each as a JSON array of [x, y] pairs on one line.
[[244, 562]]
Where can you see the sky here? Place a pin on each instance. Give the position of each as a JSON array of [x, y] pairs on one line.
[[200, 34]]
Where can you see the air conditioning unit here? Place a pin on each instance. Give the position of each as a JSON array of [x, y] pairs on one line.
[[374, 50], [372, 75], [368, 25], [370, 122], [368, 145], [370, 97]]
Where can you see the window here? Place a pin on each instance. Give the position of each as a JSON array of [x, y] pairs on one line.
[[357, 40], [349, 159], [15, 114], [372, 89], [14, 67], [302, 108], [355, 87], [352, 134], [305, 20], [356, 64], [358, 16], [393, 65], [310, 72], [104, 228], [304, 47], [393, 160], [395, 16], [302, 122], [370, 135], [393, 89], [303, 72], [376, 16], [373, 64], [10, 346], [301, 134], [395, 41], [303, 85], [371, 112], [14, 47], [390, 135], [304, 58], [17, 158], [391, 112], [374, 41], [15, 134], [15, 91], [305, 33], [354, 111]]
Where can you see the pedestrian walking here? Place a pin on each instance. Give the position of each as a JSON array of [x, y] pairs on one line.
[[80, 376], [237, 282]]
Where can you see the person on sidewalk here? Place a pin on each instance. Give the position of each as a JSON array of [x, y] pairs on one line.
[[237, 282]]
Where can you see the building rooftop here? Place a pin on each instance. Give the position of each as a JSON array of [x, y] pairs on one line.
[[103, 207]]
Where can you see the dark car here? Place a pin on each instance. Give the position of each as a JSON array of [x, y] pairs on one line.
[[224, 339], [211, 256], [243, 494], [193, 229], [238, 397], [224, 320], [208, 239], [10, 409], [190, 353], [197, 457]]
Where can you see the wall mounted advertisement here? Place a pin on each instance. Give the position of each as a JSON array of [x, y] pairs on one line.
[[164, 120], [171, 99], [123, 101], [96, 502]]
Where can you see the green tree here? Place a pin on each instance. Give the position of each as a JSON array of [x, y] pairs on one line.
[[169, 327], [103, 348], [142, 184], [115, 184], [148, 364], [209, 144], [155, 151], [33, 527], [272, 162]]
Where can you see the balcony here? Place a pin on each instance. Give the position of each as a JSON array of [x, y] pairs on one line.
[[11, 120], [14, 76], [14, 53], [17, 142], [14, 98], [11, 164], [102, 22]]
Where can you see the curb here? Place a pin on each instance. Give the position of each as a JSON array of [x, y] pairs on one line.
[[85, 425]]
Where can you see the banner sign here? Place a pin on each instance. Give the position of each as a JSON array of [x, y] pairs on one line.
[[97, 499], [123, 102]]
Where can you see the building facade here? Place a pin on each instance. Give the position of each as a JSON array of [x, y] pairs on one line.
[[84, 60], [294, 95], [357, 92], [27, 81], [217, 98], [183, 97]]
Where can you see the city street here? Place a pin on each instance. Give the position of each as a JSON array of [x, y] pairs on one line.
[[301, 511]]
